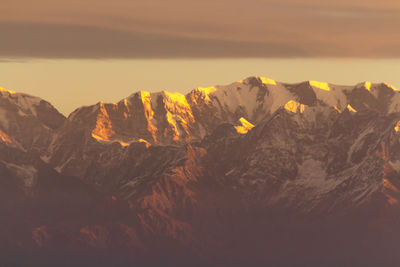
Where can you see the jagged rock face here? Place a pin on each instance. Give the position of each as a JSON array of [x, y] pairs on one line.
[[257, 172], [174, 119], [305, 161], [27, 122]]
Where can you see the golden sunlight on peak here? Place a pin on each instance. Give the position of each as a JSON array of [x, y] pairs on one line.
[[176, 98], [144, 94], [367, 86], [126, 108], [149, 114], [7, 91], [179, 115], [103, 129], [174, 127], [391, 86], [267, 80], [245, 127], [206, 91], [294, 106], [320, 85], [350, 108]]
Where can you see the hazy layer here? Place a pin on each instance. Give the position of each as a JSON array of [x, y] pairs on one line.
[[68, 84]]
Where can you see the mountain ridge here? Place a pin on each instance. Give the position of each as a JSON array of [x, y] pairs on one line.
[[257, 172], [180, 111], [265, 80]]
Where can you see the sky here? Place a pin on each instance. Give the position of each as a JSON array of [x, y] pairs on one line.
[[76, 52], [207, 28]]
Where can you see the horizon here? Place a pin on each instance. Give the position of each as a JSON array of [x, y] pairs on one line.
[[58, 50], [69, 84]]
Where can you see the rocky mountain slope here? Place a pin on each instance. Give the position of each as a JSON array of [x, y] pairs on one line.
[[27, 122], [253, 173]]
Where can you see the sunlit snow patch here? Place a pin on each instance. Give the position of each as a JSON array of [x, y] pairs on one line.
[[294, 106], [368, 85], [391, 87], [245, 127], [320, 85], [267, 80], [350, 108], [206, 91], [7, 91]]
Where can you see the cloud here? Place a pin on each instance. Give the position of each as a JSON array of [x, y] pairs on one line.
[[207, 28], [70, 41]]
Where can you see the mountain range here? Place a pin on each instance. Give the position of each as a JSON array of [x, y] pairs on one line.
[[253, 173]]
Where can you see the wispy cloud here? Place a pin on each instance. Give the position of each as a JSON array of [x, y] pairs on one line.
[[208, 28], [66, 41]]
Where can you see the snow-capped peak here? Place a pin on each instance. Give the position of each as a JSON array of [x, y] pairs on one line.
[[165, 117], [267, 80], [391, 87], [320, 85], [368, 85], [26, 103], [6, 91]]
